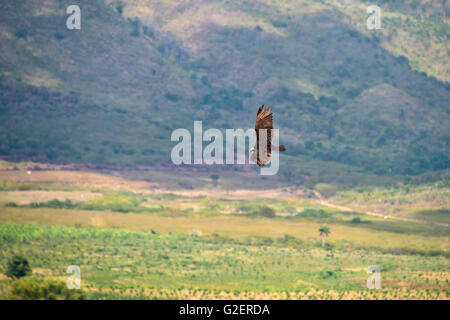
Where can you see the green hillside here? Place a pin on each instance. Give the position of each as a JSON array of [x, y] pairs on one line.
[[112, 93]]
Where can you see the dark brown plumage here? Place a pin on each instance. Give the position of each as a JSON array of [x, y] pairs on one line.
[[264, 120]]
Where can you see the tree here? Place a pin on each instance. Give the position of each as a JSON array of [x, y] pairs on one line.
[[215, 179], [324, 231], [267, 212], [18, 267], [135, 32]]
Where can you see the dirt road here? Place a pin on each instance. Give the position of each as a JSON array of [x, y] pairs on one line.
[[370, 213]]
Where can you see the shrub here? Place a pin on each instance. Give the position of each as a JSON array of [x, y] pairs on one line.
[[244, 208], [43, 289], [357, 220], [135, 28], [265, 211], [288, 238], [314, 213], [55, 203], [18, 267], [215, 179], [11, 204], [325, 274], [119, 7], [21, 33], [59, 36], [172, 97]]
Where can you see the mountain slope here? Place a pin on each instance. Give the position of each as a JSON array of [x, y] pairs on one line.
[[113, 91]]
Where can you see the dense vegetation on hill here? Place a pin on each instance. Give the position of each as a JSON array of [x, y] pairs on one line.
[[112, 92]]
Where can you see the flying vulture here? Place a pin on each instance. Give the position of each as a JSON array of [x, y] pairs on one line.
[[264, 121]]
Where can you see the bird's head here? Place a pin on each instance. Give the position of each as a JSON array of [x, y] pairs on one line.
[[252, 150]]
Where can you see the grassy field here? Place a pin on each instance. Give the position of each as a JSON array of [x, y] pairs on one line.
[[124, 264], [134, 243]]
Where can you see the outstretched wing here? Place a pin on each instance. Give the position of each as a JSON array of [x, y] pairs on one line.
[[264, 118], [263, 121]]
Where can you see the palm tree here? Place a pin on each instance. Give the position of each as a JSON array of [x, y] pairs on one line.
[[324, 231]]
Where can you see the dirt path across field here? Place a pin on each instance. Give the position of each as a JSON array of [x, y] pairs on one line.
[[237, 194], [370, 213]]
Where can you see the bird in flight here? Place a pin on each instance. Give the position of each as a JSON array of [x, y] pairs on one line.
[[263, 127]]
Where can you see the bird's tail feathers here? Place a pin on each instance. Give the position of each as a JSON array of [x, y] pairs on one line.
[[279, 148]]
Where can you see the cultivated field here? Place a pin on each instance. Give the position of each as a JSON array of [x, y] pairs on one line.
[[137, 240]]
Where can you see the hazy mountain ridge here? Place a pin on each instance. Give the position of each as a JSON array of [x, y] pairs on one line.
[[338, 94]]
